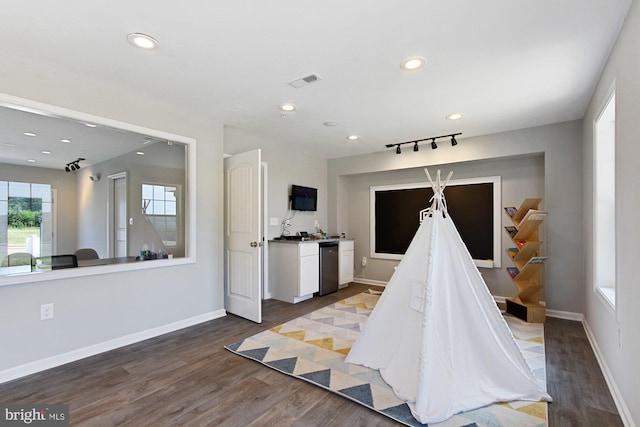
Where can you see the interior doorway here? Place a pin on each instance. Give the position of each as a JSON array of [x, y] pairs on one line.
[[118, 215]]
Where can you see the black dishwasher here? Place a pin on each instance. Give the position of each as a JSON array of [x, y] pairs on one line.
[[328, 267]]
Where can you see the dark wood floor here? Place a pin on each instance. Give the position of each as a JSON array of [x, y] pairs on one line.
[[187, 378]]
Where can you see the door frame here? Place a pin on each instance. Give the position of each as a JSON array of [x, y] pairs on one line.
[[111, 227]]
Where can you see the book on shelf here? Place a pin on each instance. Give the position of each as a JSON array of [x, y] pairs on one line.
[[512, 252], [520, 243], [537, 260], [534, 215], [513, 271], [512, 230], [510, 210]]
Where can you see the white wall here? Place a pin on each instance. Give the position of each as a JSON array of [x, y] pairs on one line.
[[559, 144], [93, 310], [286, 166], [616, 334]]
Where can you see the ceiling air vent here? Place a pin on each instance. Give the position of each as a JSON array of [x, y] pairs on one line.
[[303, 81]]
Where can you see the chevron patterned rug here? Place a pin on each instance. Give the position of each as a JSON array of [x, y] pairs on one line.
[[313, 348]]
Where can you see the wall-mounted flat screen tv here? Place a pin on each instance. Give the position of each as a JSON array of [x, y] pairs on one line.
[[304, 198]]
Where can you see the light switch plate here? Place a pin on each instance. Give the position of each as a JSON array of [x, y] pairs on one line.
[[274, 220]]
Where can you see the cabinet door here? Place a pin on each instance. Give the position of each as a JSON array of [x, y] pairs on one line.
[[309, 279], [346, 267]]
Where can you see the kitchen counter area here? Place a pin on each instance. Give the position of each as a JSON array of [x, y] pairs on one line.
[[302, 267]]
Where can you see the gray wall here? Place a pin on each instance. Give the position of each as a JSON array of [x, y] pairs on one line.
[[616, 332], [521, 177], [286, 165], [124, 304], [161, 164], [560, 147]]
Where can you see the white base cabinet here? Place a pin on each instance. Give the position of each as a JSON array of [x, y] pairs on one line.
[[294, 270], [345, 263]]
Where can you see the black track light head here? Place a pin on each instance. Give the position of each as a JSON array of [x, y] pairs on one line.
[[453, 141], [415, 146], [72, 166], [398, 150], [433, 144]]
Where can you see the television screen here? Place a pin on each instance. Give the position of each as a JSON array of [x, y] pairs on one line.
[[303, 198]]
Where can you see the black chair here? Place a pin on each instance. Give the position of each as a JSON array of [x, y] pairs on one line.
[[59, 262], [17, 259], [18, 262], [86, 254]]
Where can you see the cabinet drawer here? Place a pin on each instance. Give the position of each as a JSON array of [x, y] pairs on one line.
[[306, 249], [346, 245]]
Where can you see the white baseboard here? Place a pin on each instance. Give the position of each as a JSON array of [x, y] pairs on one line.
[[623, 410], [71, 356], [370, 282], [567, 315]]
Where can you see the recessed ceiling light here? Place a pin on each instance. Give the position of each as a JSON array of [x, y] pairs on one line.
[[140, 153], [287, 107], [455, 116], [330, 123], [30, 134], [31, 161], [353, 137], [66, 141], [8, 144], [413, 63], [143, 41], [46, 152]]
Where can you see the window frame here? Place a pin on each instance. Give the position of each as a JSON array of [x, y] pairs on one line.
[[189, 194], [607, 293], [179, 210]]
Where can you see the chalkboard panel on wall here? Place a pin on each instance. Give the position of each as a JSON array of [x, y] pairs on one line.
[[471, 203]]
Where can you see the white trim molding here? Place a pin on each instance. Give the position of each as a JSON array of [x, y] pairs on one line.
[[623, 410]]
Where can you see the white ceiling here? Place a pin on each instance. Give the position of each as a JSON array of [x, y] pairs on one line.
[[504, 64]]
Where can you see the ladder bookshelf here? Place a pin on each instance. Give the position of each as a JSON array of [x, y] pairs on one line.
[[527, 263]]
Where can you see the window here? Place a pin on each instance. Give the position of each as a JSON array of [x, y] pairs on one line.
[[604, 198], [160, 204], [25, 221]]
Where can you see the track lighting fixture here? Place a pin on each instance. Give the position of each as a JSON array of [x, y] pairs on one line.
[[431, 138], [72, 166]]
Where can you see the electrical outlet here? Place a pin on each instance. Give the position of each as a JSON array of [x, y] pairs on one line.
[[287, 223], [364, 261], [46, 311]]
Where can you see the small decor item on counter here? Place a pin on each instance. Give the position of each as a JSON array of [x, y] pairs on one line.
[[146, 254]]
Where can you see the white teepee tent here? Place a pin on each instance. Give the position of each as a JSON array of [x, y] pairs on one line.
[[436, 334]]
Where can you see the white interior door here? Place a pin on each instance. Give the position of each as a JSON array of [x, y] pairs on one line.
[[117, 235], [243, 235], [121, 217]]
